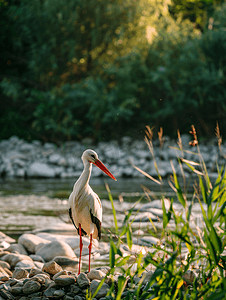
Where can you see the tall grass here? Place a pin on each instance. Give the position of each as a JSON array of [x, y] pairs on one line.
[[172, 277]]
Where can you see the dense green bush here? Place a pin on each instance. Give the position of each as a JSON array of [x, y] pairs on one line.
[[67, 73]]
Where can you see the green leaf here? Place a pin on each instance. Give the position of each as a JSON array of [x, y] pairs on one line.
[[165, 216], [112, 253], [203, 190], [216, 241], [215, 190], [204, 216], [189, 210], [211, 248], [122, 261], [178, 286], [122, 280], [180, 195], [129, 236]]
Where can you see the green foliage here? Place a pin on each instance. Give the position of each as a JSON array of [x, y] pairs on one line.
[[197, 11], [71, 69]]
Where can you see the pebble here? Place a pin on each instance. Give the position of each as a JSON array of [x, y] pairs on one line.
[[83, 281], [75, 289], [20, 273], [64, 280], [102, 291], [31, 287], [51, 268], [34, 271], [96, 274], [58, 294], [67, 263], [63, 272]]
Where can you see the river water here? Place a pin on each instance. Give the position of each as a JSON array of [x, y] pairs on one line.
[[129, 188]]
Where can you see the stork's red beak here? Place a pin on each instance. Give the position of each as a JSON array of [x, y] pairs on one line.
[[100, 165]]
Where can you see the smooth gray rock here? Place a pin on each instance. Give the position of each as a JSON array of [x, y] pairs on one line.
[[25, 264], [43, 279], [31, 241], [58, 294], [75, 289], [31, 287], [14, 258], [67, 263], [49, 292], [16, 290], [83, 281], [38, 169], [38, 258], [53, 249], [55, 158], [103, 290], [63, 272], [96, 274], [64, 280]]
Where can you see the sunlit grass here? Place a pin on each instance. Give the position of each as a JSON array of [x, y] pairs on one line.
[[172, 276]]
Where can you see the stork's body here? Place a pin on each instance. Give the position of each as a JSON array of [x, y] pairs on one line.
[[84, 204]]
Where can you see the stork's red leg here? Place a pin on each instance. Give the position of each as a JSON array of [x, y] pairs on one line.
[[81, 245], [90, 248]]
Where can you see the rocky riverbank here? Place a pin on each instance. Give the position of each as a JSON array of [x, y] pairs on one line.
[[34, 160], [44, 262]]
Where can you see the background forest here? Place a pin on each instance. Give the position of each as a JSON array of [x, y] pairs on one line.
[[71, 69]]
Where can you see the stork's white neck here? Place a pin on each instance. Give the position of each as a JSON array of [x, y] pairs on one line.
[[85, 176]]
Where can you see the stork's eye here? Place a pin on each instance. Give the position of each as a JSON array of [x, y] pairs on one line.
[[93, 156]]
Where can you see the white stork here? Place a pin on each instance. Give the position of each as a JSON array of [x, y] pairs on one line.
[[85, 208]]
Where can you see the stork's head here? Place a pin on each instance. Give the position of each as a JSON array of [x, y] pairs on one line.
[[92, 157]]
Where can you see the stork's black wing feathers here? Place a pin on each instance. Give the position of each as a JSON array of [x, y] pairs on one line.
[[97, 222], [70, 215]]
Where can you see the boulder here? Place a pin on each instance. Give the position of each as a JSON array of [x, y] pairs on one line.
[[14, 258], [38, 169], [67, 263], [53, 249], [31, 241], [18, 248]]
